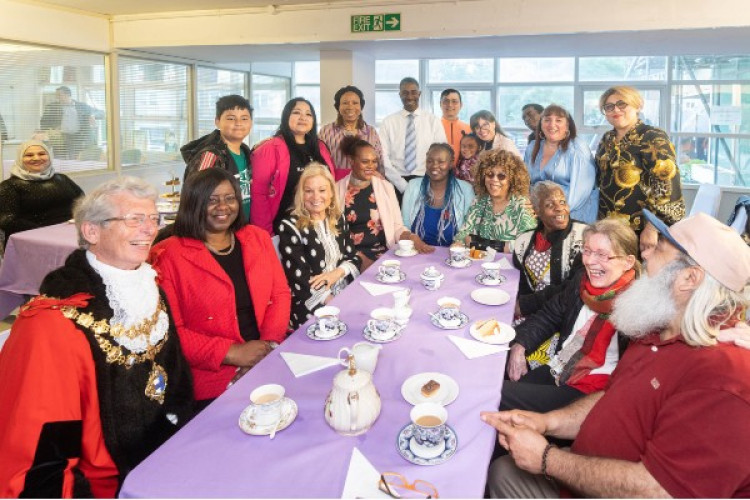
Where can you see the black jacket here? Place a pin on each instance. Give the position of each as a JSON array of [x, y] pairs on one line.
[[566, 242], [28, 205], [558, 314], [211, 151]]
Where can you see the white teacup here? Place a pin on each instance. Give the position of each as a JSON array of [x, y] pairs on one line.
[[327, 318], [402, 315], [431, 278], [429, 429], [383, 325], [405, 246], [390, 270], [365, 356], [459, 254], [266, 401], [450, 310], [491, 271], [401, 298]]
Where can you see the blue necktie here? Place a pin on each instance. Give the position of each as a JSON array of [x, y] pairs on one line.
[[410, 145]]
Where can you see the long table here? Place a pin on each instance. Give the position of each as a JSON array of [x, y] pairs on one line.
[[29, 256], [212, 457]]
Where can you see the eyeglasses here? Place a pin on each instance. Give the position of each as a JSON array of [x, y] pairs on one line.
[[501, 176], [599, 256], [136, 220], [609, 107], [483, 126], [396, 486], [228, 199]]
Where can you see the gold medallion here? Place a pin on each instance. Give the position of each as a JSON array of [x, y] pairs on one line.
[[156, 386]]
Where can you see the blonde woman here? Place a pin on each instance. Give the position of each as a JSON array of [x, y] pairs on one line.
[[317, 252]]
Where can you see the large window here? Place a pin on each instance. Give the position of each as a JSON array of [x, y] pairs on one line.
[[57, 96], [153, 113], [703, 102], [307, 83], [270, 94], [213, 84]]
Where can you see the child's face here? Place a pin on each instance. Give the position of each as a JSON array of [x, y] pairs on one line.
[[234, 124], [469, 147]]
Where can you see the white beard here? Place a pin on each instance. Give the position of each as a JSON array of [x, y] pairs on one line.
[[647, 305]]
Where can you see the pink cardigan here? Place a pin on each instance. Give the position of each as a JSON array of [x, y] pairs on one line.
[[270, 163], [385, 199]]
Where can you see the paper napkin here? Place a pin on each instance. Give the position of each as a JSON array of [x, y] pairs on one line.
[[473, 349], [362, 478], [304, 364], [505, 264], [378, 289]]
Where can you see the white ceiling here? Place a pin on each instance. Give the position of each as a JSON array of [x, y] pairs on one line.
[[664, 42], [130, 7]]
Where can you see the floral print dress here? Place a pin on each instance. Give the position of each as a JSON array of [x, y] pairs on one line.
[[365, 226], [481, 220]]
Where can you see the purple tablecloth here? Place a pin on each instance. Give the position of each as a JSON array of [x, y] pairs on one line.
[[29, 256], [212, 457]]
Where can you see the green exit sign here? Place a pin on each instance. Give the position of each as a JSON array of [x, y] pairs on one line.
[[366, 23]]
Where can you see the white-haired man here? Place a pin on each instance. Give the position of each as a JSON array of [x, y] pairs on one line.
[[93, 376], [674, 419]]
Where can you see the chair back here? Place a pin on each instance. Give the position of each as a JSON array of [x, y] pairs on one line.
[[707, 200]]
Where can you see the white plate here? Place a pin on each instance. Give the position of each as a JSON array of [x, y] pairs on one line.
[[288, 412], [399, 253], [449, 263], [490, 296], [411, 389], [503, 335]]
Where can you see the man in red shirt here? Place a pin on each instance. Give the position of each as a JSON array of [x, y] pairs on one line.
[[673, 419]]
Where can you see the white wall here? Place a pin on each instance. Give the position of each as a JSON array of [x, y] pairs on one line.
[[431, 19], [37, 24]]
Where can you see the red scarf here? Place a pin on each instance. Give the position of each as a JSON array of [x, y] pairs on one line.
[[541, 244], [598, 336]]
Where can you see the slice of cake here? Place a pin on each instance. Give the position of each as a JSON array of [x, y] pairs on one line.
[[430, 388]]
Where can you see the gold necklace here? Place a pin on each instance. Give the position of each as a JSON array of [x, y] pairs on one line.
[[156, 386], [221, 252]]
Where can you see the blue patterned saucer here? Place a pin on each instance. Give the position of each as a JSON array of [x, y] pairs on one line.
[[312, 331], [482, 279], [404, 448], [462, 317], [466, 263], [381, 278], [367, 334]]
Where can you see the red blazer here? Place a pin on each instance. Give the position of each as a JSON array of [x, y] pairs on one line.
[[201, 297]]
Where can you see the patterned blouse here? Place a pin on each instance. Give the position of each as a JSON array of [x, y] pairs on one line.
[[365, 226], [639, 172], [332, 135], [309, 252], [505, 226]]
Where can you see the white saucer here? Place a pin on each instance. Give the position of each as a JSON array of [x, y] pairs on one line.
[[504, 334], [490, 296], [399, 253], [449, 263], [368, 336], [312, 331], [404, 448], [288, 414], [411, 389], [482, 280], [463, 320], [382, 279]]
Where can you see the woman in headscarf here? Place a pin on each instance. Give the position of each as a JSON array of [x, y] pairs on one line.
[[35, 195]]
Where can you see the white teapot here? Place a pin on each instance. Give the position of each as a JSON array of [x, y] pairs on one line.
[[353, 404]]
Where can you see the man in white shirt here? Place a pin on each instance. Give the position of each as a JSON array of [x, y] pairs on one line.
[[406, 136]]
